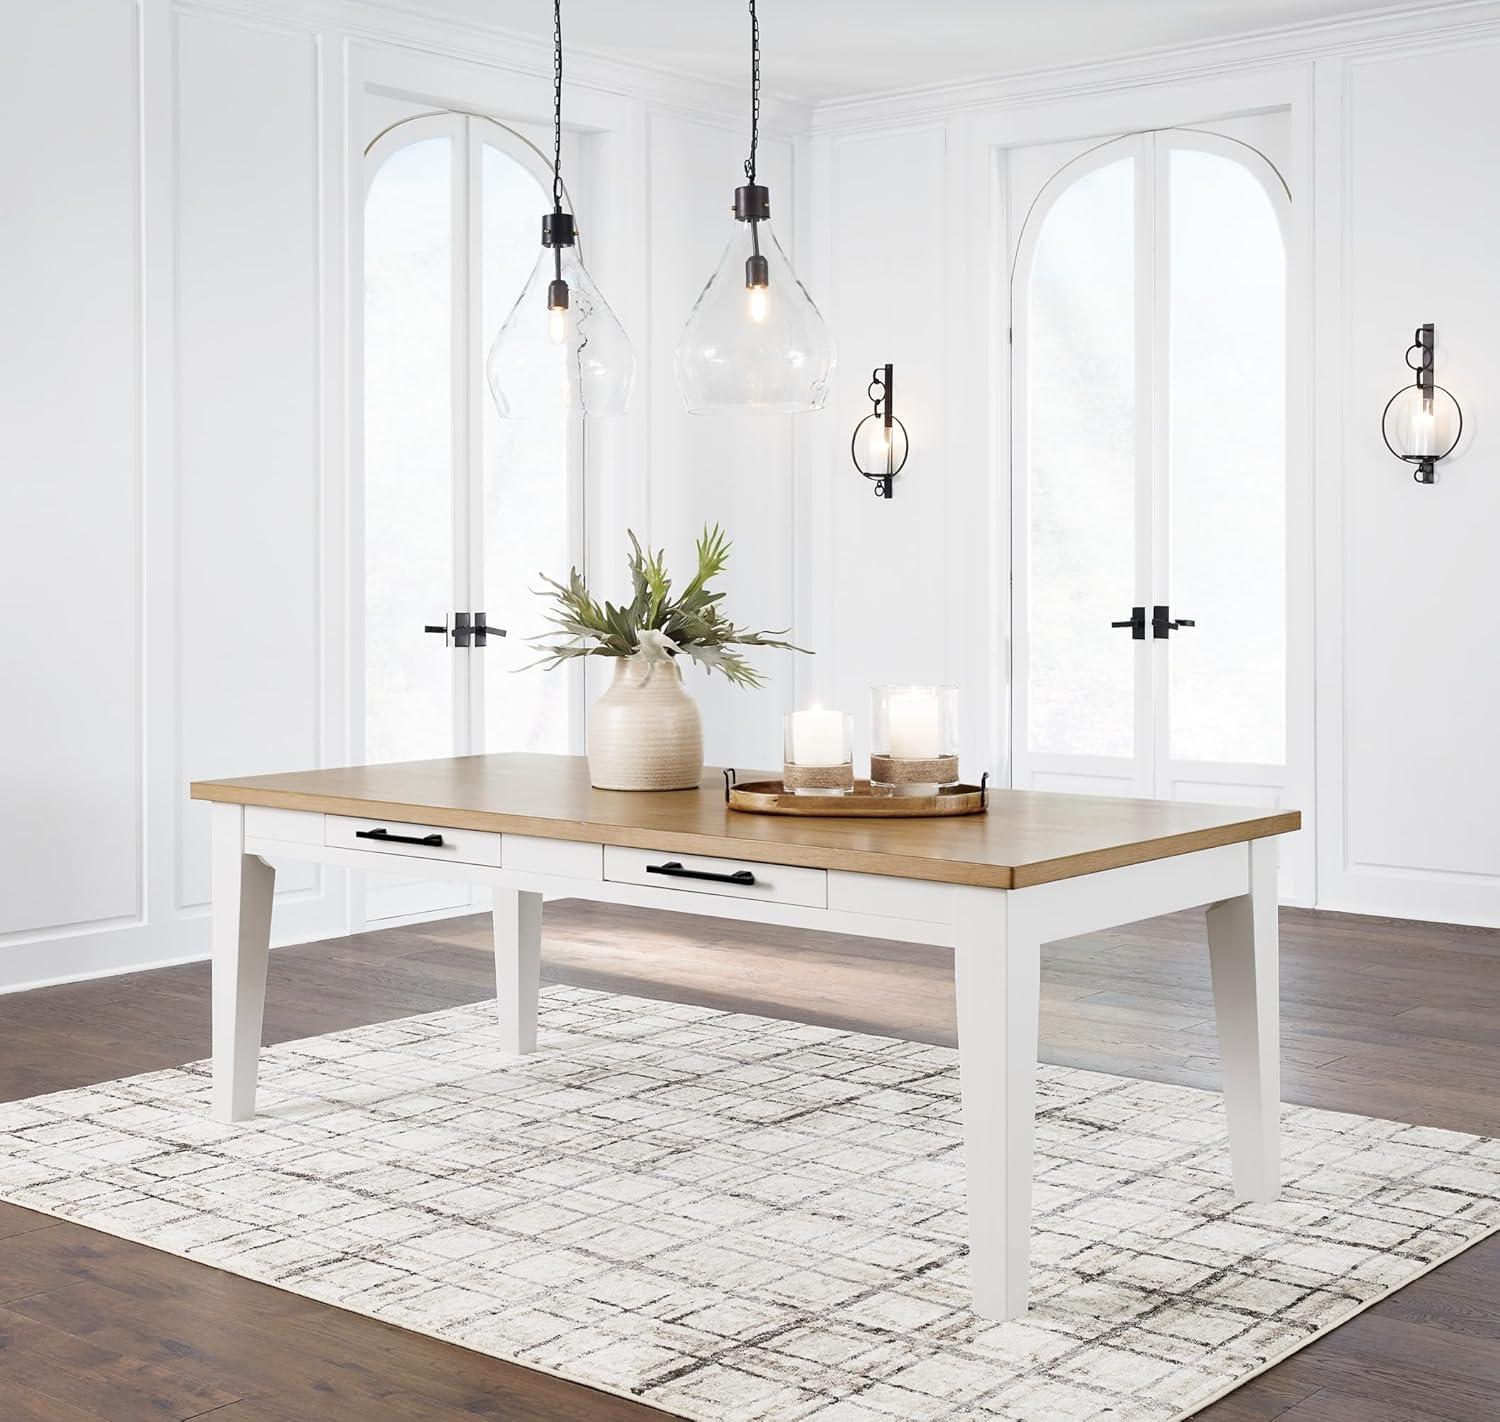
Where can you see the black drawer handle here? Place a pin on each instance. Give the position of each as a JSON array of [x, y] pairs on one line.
[[433, 841], [674, 870]]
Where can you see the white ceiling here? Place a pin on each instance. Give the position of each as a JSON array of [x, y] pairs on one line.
[[828, 49]]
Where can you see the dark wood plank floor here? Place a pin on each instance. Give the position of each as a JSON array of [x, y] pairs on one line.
[[1385, 1018]]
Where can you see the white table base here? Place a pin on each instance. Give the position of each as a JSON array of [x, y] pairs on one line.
[[996, 935]]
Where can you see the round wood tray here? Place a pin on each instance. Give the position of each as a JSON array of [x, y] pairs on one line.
[[771, 797]]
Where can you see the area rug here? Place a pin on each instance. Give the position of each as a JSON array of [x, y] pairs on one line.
[[737, 1219]]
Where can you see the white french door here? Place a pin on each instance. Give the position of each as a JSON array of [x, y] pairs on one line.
[[459, 511], [1150, 460]]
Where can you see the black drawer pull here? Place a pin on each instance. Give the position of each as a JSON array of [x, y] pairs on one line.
[[674, 870], [433, 841]]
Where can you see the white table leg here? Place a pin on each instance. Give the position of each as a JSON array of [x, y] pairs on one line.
[[997, 980], [518, 965], [1242, 952], [241, 934]]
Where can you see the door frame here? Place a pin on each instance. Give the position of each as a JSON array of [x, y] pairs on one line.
[[978, 143]]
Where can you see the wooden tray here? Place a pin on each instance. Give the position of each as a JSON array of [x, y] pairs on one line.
[[771, 797]]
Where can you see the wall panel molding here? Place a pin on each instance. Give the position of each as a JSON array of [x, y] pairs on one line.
[[498, 48], [1447, 22], [1408, 773], [72, 724]]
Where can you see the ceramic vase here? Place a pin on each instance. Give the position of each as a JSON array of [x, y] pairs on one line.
[[644, 732]]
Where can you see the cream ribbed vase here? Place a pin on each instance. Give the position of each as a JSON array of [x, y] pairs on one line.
[[644, 732]]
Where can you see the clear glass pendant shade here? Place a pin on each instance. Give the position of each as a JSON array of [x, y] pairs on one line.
[[758, 346], [570, 361]]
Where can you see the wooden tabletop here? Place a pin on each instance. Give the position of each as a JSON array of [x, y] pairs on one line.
[[1026, 837]]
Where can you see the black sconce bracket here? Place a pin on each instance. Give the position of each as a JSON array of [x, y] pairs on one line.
[[882, 395], [1421, 356]]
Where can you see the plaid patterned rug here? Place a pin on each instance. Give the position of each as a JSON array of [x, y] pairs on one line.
[[737, 1218]]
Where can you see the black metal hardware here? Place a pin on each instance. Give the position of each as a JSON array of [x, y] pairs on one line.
[[558, 230], [752, 200], [984, 791], [459, 631], [729, 779], [1162, 623], [1424, 345], [1136, 622], [672, 869], [463, 629], [881, 393], [432, 841], [481, 631]]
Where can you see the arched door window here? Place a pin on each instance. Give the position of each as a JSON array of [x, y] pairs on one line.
[[459, 511], [1149, 471]]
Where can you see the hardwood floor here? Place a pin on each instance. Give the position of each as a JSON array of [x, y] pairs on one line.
[[1384, 1018]]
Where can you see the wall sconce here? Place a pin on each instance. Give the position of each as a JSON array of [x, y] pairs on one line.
[[1422, 422], [879, 445]]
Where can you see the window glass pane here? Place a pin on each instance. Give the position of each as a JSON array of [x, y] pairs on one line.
[[528, 492], [1080, 457], [408, 504], [1226, 436]]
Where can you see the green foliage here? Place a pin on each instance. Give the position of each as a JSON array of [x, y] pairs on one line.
[[655, 624]]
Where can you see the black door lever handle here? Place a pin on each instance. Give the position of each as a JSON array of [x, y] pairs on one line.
[[482, 631], [1162, 621], [1136, 622], [460, 630]]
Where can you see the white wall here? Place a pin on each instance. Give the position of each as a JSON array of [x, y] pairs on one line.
[[887, 610], [70, 477], [737, 472], [175, 556], [1412, 575]]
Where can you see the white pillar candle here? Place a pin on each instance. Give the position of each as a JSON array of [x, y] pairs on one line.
[[1424, 432], [916, 725], [818, 737]]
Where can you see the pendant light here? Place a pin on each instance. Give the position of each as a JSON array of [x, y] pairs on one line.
[[754, 341], [560, 351]]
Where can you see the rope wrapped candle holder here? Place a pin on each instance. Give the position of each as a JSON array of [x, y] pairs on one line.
[[913, 738], [819, 752]]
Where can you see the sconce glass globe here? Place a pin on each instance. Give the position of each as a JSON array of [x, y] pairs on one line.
[[1420, 427], [879, 451]]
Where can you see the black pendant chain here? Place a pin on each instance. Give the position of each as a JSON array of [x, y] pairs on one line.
[[557, 78], [754, 93]]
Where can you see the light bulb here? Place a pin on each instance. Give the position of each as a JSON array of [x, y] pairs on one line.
[[760, 303], [557, 324]]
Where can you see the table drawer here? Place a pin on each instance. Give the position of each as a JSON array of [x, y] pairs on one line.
[[409, 841], [730, 878]]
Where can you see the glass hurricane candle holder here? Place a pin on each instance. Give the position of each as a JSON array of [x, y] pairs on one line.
[[913, 738], [819, 755]]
